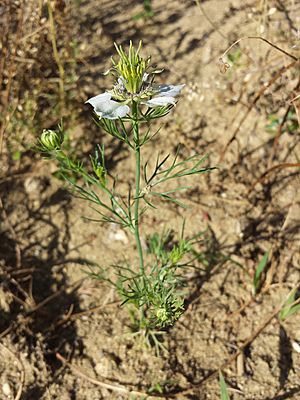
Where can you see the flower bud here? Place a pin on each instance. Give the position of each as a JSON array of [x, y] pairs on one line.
[[101, 174], [51, 140], [162, 315]]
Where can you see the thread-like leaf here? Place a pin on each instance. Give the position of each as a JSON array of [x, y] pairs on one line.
[[258, 272], [223, 388], [289, 308]]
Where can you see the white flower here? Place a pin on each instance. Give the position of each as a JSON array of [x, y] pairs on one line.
[[107, 108], [165, 95]]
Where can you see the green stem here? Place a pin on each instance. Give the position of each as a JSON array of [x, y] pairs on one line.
[[63, 159], [137, 185]]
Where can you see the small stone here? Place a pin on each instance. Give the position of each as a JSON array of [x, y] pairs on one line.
[[117, 235], [34, 187], [5, 300], [6, 389], [103, 368], [272, 11], [296, 347]]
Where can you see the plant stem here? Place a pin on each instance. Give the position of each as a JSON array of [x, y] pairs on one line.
[[137, 185]]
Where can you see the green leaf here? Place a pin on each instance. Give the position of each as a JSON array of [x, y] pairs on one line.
[[258, 272], [223, 388], [288, 308], [16, 156]]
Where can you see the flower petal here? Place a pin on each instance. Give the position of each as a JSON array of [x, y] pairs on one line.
[[145, 76], [111, 110], [115, 110], [170, 90], [160, 101], [121, 82], [107, 108], [100, 98]]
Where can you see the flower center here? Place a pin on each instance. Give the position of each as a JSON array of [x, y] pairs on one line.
[[131, 67]]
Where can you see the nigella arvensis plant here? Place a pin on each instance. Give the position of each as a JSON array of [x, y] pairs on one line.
[[154, 289]]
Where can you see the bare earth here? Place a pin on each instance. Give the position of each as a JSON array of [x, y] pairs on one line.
[[242, 216]]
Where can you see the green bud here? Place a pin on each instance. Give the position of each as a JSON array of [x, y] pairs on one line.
[[162, 315], [98, 165], [175, 255], [170, 311], [101, 174], [51, 140]]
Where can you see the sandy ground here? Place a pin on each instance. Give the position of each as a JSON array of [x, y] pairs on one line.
[[63, 311]]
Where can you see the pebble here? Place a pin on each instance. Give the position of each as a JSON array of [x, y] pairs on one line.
[[296, 347], [118, 235], [6, 389], [34, 187], [103, 368]]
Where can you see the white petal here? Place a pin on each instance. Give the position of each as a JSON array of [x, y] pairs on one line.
[[169, 90], [111, 110], [145, 77], [116, 111], [121, 82], [160, 101], [100, 98], [107, 108]]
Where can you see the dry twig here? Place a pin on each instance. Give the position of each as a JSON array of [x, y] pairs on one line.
[[281, 125], [241, 349], [115, 388], [254, 101], [53, 296], [263, 89], [275, 167]]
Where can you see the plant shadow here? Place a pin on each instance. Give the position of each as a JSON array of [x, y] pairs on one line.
[[38, 286]]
